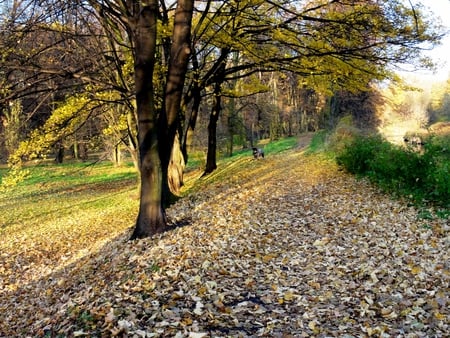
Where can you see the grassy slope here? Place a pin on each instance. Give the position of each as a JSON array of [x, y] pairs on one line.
[[257, 240], [60, 212], [64, 211]]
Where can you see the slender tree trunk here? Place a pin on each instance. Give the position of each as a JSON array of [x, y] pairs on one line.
[[59, 158], [233, 115], [189, 133], [117, 155], [232, 124], [211, 161], [151, 218], [132, 145], [196, 97], [75, 149], [211, 158]]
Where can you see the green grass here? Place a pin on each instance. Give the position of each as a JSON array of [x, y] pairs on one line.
[[56, 192], [281, 145], [197, 159], [318, 142], [48, 178], [44, 177]]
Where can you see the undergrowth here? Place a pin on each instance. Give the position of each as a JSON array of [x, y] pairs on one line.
[[423, 175]]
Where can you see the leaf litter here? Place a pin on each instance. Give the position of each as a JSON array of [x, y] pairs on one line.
[[288, 246]]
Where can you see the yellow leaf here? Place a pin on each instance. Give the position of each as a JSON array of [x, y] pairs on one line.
[[313, 326], [288, 296], [416, 270], [440, 316], [314, 285], [322, 242], [267, 258], [187, 321]]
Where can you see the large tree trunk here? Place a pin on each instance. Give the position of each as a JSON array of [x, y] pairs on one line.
[[151, 218], [156, 132]]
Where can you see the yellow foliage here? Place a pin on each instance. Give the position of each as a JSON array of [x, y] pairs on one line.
[[15, 175], [63, 120]]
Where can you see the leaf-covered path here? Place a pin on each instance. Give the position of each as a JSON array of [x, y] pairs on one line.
[[288, 246]]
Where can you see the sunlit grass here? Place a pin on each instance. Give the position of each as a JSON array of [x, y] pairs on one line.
[[80, 193]]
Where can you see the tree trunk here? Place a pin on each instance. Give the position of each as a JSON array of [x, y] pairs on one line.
[[151, 218], [233, 116], [170, 121], [117, 155], [75, 150], [156, 132], [214, 117], [196, 96], [132, 144], [212, 132], [189, 136], [59, 158]]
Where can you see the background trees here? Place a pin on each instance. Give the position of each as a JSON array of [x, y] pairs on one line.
[[141, 74]]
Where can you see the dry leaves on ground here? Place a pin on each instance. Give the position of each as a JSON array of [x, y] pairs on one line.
[[287, 246]]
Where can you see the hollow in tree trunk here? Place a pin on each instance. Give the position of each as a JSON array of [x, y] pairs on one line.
[[176, 167]]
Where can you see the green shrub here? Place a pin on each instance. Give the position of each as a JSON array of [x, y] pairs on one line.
[[357, 155], [437, 159], [423, 175]]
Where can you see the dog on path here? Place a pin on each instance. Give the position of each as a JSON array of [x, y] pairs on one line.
[[258, 153]]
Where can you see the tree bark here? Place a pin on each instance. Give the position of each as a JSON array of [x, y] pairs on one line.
[[151, 217], [211, 158], [156, 132], [211, 162], [170, 121], [195, 95], [189, 133]]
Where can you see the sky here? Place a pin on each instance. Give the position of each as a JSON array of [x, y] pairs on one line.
[[441, 54]]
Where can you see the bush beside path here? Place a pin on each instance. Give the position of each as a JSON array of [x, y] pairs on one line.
[[288, 246]]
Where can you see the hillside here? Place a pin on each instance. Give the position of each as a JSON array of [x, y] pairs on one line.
[[288, 246]]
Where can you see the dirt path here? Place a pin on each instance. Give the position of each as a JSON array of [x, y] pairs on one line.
[[288, 246]]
